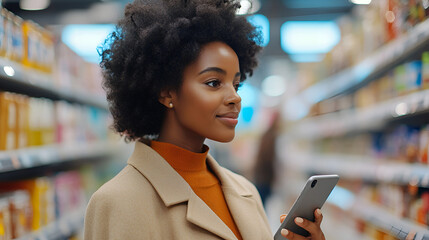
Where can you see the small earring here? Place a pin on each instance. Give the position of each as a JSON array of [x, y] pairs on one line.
[[170, 105]]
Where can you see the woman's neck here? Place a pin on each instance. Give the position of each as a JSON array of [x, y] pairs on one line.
[[183, 140], [196, 147]]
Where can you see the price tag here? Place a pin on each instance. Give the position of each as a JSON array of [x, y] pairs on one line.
[[6, 163]]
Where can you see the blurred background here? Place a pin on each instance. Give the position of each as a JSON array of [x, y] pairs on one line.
[[342, 88]]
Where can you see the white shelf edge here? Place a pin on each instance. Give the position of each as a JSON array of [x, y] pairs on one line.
[[61, 228], [360, 119], [35, 79], [44, 155], [352, 76], [386, 221], [358, 167]]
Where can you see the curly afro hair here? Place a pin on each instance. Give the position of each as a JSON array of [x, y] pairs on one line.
[[152, 45]]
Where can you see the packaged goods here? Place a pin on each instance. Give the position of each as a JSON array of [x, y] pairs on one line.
[[424, 145], [414, 75], [425, 70], [8, 26], [8, 121], [69, 192], [3, 41], [31, 42], [41, 122], [17, 39], [41, 197], [47, 56], [23, 121], [20, 211], [401, 81], [39, 47], [386, 87], [5, 220]]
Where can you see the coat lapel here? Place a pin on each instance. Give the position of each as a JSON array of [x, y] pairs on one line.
[[241, 203], [173, 189], [201, 215]]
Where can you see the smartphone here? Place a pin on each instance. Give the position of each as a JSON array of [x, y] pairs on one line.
[[313, 196]]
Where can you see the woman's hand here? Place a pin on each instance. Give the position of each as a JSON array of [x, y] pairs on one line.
[[312, 227]]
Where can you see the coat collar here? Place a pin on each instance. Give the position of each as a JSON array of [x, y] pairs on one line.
[[173, 189]]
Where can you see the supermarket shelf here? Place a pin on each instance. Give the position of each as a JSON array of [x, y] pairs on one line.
[[362, 167], [387, 222], [60, 229], [382, 60], [27, 158], [364, 119], [36, 84]]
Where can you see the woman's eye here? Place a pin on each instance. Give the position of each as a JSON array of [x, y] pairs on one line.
[[237, 86], [213, 83]]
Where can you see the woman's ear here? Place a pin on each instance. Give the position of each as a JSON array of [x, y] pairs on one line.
[[166, 98]]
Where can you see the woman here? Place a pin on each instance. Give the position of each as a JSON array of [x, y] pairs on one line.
[[172, 70]]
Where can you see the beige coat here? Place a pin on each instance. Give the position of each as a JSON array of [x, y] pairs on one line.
[[148, 199]]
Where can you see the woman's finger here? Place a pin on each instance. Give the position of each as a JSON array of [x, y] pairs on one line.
[[318, 216], [410, 235], [282, 218], [292, 236], [310, 226]]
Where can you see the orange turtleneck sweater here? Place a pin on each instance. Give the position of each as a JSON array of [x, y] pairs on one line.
[[193, 168]]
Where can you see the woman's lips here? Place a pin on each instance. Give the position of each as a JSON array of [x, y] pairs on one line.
[[229, 119]]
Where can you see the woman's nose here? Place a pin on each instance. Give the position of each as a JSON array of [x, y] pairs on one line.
[[232, 96]]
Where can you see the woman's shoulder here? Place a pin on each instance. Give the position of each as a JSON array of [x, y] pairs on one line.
[[123, 186]]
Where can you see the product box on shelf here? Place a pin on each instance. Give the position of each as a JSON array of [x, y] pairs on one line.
[[16, 207], [23, 121], [5, 220], [39, 47], [424, 145], [41, 122], [425, 70], [6, 48], [11, 43], [42, 199], [69, 192], [401, 80], [31, 42], [8, 121], [414, 75], [21, 213], [28, 206], [17, 39], [3, 42]]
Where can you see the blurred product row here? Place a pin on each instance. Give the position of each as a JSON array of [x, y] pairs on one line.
[[367, 30], [401, 143], [32, 52], [404, 79], [54, 126], [368, 122], [33, 205], [27, 122]]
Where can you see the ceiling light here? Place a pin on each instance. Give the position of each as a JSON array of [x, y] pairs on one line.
[[84, 39], [309, 40], [34, 5], [248, 7], [274, 86], [361, 2]]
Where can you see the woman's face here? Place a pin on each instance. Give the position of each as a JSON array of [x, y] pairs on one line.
[[207, 104]]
